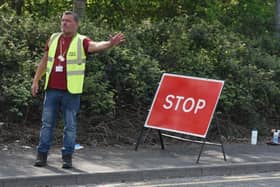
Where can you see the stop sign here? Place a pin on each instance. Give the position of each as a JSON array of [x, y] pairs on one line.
[[184, 104]]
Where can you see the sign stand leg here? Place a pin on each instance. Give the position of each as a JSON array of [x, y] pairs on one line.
[[221, 143], [139, 138], [201, 149], [223, 150], [161, 139]]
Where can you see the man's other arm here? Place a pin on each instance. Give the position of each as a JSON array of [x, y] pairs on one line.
[[41, 69]]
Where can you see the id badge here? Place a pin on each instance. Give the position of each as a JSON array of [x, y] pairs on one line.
[[59, 68]]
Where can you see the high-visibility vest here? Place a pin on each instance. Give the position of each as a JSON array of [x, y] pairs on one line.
[[75, 62]]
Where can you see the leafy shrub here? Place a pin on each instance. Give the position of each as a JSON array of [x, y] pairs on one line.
[[126, 77]]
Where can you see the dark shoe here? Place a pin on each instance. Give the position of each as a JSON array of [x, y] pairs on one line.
[[67, 161], [41, 159]]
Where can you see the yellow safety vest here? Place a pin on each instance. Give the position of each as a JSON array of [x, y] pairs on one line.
[[75, 62]]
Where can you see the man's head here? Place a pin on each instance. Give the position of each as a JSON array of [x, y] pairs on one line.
[[69, 23]]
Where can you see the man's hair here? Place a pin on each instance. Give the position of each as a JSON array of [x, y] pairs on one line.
[[75, 15]]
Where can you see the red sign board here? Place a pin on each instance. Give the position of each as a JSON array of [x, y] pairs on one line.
[[184, 104]]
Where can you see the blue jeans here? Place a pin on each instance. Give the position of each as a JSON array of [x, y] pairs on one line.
[[69, 105]]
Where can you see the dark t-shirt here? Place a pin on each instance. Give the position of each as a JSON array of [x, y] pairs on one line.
[[58, 80]]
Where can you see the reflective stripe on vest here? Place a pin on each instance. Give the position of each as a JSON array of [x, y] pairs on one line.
[[69, 61], [75, 62]]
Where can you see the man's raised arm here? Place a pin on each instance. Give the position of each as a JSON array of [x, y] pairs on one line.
[[103, 45]]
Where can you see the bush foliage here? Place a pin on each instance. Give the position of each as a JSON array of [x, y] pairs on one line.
[[126, 77]]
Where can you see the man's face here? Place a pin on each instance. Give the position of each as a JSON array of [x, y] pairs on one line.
[[68, 25]]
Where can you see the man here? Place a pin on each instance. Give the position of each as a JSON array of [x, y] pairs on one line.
[[64, 65]]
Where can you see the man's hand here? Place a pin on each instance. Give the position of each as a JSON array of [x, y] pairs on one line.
[[34, 88], [117, 39], [41, 69]]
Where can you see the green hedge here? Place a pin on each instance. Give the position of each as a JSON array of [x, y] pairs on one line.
[[126, 77]]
